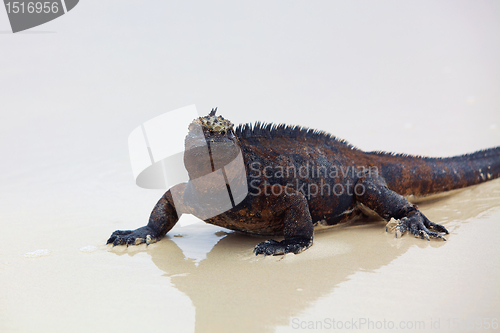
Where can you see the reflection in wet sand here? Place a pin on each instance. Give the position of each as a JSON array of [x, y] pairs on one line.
[[233, 289]]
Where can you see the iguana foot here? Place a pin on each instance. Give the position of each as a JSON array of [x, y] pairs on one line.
[[133, 237], [290, 245], [419, 226]]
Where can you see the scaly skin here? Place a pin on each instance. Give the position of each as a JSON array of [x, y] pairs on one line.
[[298, 178]]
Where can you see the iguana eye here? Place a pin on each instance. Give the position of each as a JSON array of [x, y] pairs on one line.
[[223, 133]]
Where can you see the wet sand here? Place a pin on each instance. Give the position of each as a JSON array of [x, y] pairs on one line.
[[205, 279]]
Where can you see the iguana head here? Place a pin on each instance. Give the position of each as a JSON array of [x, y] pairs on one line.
[[213, 125], [209, 145]]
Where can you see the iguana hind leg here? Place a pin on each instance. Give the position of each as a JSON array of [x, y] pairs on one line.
[[389, 204]]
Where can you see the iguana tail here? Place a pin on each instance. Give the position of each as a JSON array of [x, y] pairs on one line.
[[419, 176]]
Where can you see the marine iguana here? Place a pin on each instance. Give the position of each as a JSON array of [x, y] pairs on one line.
[[299, 178]]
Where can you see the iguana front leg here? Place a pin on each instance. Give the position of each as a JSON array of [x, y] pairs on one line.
[[389, 204], [291, 206], [163, 218]]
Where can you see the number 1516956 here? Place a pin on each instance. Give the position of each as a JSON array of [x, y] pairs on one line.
[[32, 7]]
